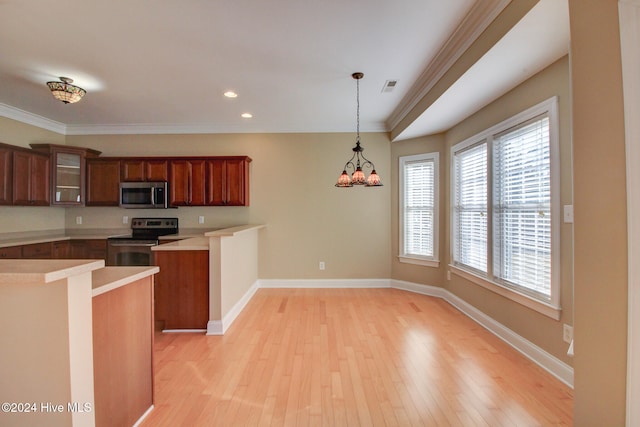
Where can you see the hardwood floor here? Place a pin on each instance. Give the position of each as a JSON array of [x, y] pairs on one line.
[[349, 357]]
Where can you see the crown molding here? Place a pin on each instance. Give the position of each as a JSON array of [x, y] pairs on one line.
[[176, 129], [32, 119], [474, 23], [157, 129]]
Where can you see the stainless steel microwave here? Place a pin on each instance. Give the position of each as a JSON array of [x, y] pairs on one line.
[[144, 195]]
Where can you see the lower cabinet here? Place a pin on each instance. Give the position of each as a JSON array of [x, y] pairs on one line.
[[37, 251], [61, 249], [11, 252], [182, 289]]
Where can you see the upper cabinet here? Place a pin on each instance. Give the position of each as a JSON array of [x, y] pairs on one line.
[[228, 181], [6, 178], [103, 182], [67, 173], [137, 170], [187, 182], [50, 174], [31, 179]]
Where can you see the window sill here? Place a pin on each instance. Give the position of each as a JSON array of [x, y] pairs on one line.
[[418, 261], [539, 306]]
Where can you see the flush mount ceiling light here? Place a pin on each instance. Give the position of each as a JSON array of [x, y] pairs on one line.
[[66, 92], [230, 94], [358, 178]]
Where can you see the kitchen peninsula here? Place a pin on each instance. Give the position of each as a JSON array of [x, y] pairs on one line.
[[230, 282], [74, 353]]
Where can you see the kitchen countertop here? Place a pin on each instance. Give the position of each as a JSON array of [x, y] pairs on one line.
[[44, 236], [44, 270], [192, 244], [231, 231], [201, 243], [109, 278]]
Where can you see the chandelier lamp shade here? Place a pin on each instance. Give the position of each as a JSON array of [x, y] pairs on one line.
[[66, 92], [358, 160]]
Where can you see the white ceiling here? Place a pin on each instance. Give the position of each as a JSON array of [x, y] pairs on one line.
[[162, 66]]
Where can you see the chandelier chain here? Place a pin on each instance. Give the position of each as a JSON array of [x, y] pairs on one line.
[[357, 110]]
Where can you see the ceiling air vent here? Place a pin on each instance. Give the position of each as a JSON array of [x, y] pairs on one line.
[[389, 85]]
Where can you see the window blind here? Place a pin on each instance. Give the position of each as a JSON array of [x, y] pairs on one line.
[[419, 207], [522, 206], [470, 207]]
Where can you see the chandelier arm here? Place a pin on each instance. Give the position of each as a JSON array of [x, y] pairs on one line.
[[367, 162], [350, 162]]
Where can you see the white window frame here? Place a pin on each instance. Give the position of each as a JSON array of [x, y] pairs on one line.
[[428, 261], [550, 308]]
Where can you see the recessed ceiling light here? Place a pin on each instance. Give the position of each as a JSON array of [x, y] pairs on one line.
[[246, 115], [230, 94]]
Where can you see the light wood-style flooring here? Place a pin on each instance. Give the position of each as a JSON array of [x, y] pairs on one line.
[[351, 357]]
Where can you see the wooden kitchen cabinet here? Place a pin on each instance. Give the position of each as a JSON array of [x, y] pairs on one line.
[[37, 251], [6, 175], [67, 172], [182, 289], [228, 182], [31, 178], [103, 182], [187, 182], [136, 170], [88, 249], [11, 252], [60, 249]]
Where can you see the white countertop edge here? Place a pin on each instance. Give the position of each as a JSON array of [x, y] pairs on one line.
[[231, 231], [44, 270], [33, 240], [110, 278]]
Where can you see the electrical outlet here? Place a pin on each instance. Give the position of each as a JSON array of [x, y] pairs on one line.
[[79, 220], [567, 333], [125, 219], [201, 219], [321, 265]]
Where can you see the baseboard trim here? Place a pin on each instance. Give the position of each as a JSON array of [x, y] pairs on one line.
[[324, 283], [214, 327], [548, 362], [219, 327], [141, 419]]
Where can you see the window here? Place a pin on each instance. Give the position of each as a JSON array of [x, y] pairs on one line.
[[505, 197], [419, 209]]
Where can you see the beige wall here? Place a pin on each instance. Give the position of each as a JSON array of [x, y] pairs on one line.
[[600, 214], [292, 192], [541, 330], [23, 218]]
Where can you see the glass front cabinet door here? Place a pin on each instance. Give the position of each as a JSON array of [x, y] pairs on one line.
[[67, 182], [67, 173]]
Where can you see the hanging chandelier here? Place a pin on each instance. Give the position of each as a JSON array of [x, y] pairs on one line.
[[66, 92], [358, 178]]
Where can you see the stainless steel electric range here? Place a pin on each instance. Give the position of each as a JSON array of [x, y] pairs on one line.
[[136, 248]]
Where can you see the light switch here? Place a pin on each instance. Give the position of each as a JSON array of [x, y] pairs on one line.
[[200, 219]]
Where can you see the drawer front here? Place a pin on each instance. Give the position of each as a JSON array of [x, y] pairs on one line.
[[11, 252]]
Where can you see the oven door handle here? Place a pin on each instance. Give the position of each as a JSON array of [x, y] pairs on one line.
[[134, 245]]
